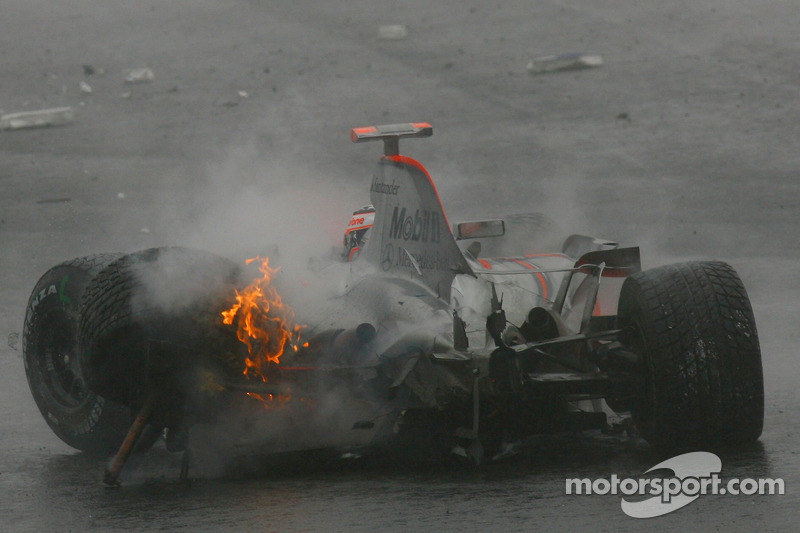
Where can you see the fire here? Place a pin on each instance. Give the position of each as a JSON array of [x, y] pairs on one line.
[[265, 323], [271, 400]]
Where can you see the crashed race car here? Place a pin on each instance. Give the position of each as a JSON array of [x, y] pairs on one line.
[[460, 338]]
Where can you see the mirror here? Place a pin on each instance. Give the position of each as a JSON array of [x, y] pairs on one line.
[[480, 229]]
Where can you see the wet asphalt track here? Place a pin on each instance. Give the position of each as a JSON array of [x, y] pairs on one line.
[[684, 142]]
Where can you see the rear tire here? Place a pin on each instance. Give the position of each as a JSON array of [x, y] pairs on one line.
[[75, 413], [701, 376], [170, 296]]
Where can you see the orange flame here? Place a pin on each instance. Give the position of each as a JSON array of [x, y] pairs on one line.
[[271, 401], [265, 323]]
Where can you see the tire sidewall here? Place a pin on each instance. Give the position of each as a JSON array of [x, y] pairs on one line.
[[80, 418], [635, 336]]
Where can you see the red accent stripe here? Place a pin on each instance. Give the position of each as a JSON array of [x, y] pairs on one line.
[[543, 281], [416, 164], [539, 276], [354, 228], [485, 264], [355, 132], [521, 262]]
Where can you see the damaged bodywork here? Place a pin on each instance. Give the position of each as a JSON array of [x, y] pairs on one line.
[[435, 333]]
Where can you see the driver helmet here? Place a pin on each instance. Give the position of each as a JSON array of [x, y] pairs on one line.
[[355, 236]]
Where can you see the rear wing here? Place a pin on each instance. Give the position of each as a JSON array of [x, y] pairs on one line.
[[390, 134], [410, 235]]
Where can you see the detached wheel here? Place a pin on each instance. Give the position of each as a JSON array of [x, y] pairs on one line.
[[75, 413], [162, 303], [701, 375]]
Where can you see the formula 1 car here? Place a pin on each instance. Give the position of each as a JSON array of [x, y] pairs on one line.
[[457, 338]]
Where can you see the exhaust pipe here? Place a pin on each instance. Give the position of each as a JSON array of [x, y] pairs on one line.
[[339, 347], [541, 324]]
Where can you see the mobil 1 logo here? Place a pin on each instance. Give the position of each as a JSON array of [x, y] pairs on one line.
[[421, 226]]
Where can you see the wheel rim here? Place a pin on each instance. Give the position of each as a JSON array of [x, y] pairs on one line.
[[59, 362]]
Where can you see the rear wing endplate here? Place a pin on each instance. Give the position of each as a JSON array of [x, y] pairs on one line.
[[390, 134]]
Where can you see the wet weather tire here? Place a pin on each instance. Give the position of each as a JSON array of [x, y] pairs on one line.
[[79, 417], [164, 298], [701, 374]]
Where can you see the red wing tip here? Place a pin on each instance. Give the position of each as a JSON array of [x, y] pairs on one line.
[[410, 129]]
